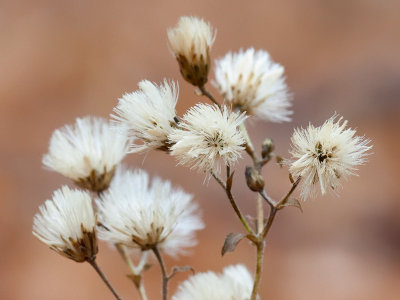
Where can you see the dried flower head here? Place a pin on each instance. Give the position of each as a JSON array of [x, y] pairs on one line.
[[191, 42], [323, 155], [87, 152], [207, 135], [67, 224], [250, 81], [235, 283], [143, 215], [149, 114]]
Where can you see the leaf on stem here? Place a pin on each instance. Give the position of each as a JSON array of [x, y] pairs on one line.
[[291, 202], [176, 270], [136, 279], [231, 242]]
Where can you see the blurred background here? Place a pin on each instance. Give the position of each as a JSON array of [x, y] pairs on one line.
[[63, 59]]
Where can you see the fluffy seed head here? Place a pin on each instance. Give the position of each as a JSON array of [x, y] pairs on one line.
[[191, 41], [87, 152], [141, 214], [149, 114], [206, 136], [324, 155], [67, 224], [250, 81], [235, 283]]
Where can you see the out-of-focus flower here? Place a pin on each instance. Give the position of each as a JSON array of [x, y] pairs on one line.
[[207, 135], [67, 224], [324, 155], [191, 41], [250, 81], [138, 214], [149, 114], [235, 283], [87, 152]]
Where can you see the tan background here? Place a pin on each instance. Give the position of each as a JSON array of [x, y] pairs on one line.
[[64, 59]]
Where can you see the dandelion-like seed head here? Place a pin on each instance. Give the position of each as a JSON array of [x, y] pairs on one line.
[[143, 214], [87, 152], [67, 224], [191, 41], [250, 81], [149, 114], [206, 136], [324, 155], [235, 283]]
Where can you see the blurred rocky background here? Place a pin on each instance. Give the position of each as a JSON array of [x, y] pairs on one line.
[[64, 59]]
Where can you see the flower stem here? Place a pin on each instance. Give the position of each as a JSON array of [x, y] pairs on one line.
[[165, 277], [233, 203], [257, 279], [93, 263], [206, 93], [135, 271]]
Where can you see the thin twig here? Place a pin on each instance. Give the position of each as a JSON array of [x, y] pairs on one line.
[[233, 204], [260, 214], [294, 186], [257, 279], [165, 276], [206, 93], [93, 263], [135, 270]]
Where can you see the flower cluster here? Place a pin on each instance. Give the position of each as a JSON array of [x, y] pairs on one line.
[[136, 212]]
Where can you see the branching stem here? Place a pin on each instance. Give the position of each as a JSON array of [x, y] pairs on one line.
[[165, 276]]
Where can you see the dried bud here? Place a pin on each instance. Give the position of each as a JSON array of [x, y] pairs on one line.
[[267, 147], [191, 41], [254, 180]]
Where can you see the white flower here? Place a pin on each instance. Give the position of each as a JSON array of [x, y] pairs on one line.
[[191, 41], [323, 155], [139, 214], [250, 81], [67, 224], [235, 283], [207, 135], [149, 114], [87, 152]]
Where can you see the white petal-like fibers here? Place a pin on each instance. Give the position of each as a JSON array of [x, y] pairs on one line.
[[149, 114], [250, 81], [143, 214], [206, 136], [235, 283], [87, 152], [67, 224], [324, 155]]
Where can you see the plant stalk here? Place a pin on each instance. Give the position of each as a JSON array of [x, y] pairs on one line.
[[93, 263], [165, 277]]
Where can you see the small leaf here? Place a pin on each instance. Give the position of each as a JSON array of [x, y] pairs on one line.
[[136, 279], [291, 202], [229, 181], [231, 242], [176, 270]]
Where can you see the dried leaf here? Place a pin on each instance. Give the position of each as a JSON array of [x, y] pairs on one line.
[[291, 202], [136, 279], [231, 242]]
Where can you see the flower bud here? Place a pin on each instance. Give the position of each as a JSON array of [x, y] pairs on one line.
[[191, 42], [267, 147], [254, 179]]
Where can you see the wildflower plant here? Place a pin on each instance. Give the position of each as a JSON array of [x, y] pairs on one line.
[[133, 212]]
